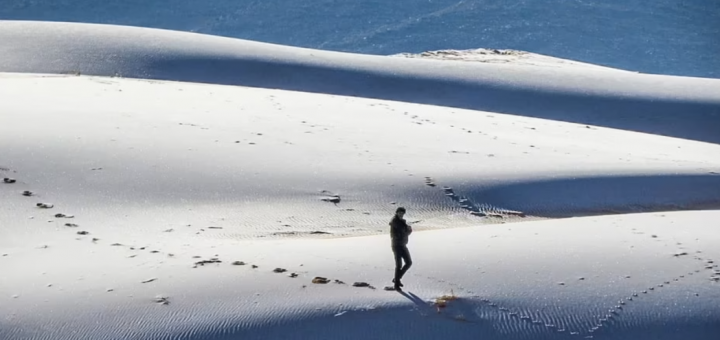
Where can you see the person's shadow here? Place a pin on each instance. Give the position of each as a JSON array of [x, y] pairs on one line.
[[414, 298], [422, 305]]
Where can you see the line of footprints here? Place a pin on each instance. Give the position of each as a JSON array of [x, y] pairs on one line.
[[613, 313], [480, 210], [602, 321], [199, 263]]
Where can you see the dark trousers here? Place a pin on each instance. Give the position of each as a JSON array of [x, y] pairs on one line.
[[401, 254]]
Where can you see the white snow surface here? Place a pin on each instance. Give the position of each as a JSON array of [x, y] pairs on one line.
[[549, 217], [672, 106]]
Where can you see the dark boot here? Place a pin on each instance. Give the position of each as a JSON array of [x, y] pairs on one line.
[[398, 283]]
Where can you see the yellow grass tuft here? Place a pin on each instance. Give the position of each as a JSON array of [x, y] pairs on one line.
[[442, 301]]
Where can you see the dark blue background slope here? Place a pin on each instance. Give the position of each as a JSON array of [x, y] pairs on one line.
[[678, 37]]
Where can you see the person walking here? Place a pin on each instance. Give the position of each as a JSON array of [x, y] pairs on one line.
[[399, 232]]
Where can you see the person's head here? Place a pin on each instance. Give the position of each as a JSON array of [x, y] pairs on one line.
[[400, 212]]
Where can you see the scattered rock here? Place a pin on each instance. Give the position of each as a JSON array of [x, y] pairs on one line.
[[211, 227], [71, 225], [238, 263], [9, 180], [168, 230], [361, 284], [44, 205], [110, 290], [27, 193], [317, 232], [95, 239], [332, 199], [254, 266], [320, 280], [116, 244], [293, 275], [82, 232], [204, 262], [279, 270], [148, 280], [154, 251]]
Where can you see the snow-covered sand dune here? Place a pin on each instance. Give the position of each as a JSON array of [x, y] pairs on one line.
[[148, 184], [672, 106], [647, 276]]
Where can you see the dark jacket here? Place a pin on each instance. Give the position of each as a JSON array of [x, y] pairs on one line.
[[399, 231]]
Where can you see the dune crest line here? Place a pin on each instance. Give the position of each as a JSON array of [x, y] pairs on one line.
[[679, 107]]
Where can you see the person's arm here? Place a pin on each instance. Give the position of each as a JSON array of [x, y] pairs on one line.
[[408, 228]]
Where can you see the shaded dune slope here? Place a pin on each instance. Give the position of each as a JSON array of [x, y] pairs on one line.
[[192, 153], [671, 106], [566, 196]]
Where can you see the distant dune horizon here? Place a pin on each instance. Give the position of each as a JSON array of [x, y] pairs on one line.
[[657, 37]]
